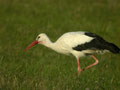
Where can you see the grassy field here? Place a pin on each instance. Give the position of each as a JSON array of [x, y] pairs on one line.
[[43, 69]]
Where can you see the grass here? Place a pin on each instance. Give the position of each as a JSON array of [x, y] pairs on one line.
[[43, 69]]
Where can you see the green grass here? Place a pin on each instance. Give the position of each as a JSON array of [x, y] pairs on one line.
[[43, 69]]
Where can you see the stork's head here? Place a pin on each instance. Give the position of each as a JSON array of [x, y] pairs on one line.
[[41, 39]]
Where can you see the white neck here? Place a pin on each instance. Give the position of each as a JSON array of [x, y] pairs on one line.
[[55, 46], [48, 43]]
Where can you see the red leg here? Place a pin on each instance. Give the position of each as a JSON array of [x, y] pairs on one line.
[[79, 69], [96, 62]]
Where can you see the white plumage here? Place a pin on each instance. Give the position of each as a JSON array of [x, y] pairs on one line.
[[72, 39]]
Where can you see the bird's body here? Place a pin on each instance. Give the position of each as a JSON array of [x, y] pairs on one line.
[[68, 41], [78, 44]]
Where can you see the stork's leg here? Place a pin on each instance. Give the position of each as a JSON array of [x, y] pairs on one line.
[[79, 69], [96, 62]]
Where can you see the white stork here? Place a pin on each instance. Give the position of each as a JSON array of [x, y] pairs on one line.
[[78, 44]]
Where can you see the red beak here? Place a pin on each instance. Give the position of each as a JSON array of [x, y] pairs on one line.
[[31, 45]]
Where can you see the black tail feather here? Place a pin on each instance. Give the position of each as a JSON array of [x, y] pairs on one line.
[[113, 48]]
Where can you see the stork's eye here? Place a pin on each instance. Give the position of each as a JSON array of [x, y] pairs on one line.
[[38, 37]]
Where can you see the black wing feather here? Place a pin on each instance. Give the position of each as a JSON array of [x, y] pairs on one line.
[[98, 43]]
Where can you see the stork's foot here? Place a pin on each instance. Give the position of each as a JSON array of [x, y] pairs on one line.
[[80, 71]]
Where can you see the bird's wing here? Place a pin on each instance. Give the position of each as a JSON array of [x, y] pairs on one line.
[[97, 43]]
